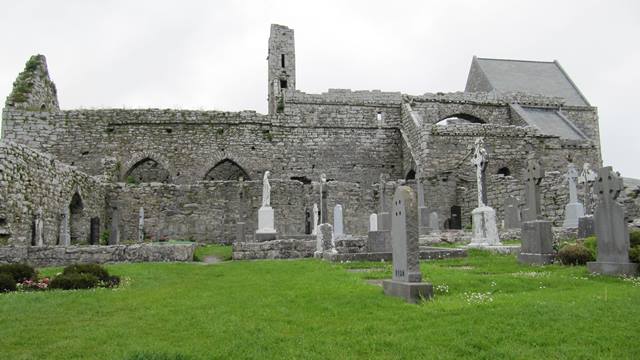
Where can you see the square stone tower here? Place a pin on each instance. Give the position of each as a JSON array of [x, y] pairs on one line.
[[282, 66]]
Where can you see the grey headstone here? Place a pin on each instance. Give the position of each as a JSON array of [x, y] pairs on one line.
[[373, 222], [533, 177], [537, 243], [114, 235], [574, 209], [406, 281], [611, 227], [338, 225], [512, 213], [384, 221], [379, 241], [586, 226]]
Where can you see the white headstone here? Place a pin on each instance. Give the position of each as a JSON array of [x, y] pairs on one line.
[[316, 217], [373, 222], [266, 190], [39, 228], [574, 209], [338, 226]]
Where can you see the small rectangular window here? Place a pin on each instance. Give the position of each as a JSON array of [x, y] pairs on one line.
[[283, 84], [379, 116], [282, 60]]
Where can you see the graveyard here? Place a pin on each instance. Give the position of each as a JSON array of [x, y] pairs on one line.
[[348, 224]]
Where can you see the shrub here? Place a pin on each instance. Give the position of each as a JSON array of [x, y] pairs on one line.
[[574, 254], [634, 254], [19, 272], [634, 238], [591, 243], [94, 269], [7, 283], [71, 281]]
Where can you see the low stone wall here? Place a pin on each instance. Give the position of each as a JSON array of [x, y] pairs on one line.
[[275, 249], [41, 256]]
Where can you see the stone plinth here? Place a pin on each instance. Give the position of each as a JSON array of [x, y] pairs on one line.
[[324, 240], [613, 268], [485, 229], [266, 228], [379, 241], [537, 243], [411, 292]]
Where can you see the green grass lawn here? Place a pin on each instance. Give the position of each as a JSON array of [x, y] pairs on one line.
[[486, 307], [223, 252]]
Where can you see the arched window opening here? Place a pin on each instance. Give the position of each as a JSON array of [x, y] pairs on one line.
[[461, 119], [504, 171], [411, 175], [226, 170], [147, 170]]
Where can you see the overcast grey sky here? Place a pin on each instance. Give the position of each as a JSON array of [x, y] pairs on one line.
[[211, 54]]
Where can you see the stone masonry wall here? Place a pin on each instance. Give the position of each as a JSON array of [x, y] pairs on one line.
[[30, 180]]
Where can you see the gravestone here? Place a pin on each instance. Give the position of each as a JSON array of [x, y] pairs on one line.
[[485, 228], [423, 211], [38, 225], [574, 209], [384, 218], [241, 225], [586, 226], [407, 279], [64, 234], [338, 225], [455, 222], [324, 213], [587, 178], [266, 223], [434, 222], [94, 231], [512, 213], [537, 235], [611, 228], [324, 240], [141, 225], [114, 234], [316, 217], [373, 222]]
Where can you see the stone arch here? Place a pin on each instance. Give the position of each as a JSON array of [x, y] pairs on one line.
[[226, 169], [139, 158], [411, 175], [220, 156], [77, 228], [460, 119], [504, 171]]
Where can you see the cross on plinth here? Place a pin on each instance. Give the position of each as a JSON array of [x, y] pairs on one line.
[[587, 177], [608, 185], [572, 176], [480, 160], [533, 177], [383, 182]]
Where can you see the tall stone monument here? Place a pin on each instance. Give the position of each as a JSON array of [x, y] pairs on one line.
[[373, 222], [324, 212], [141, 225], [316, 216], [241, 225], [384, 218], [485, 229], [407, 278], [266, 223], [574, 209], [537, 235], [38, 224], [338, 223], [64, 235], [611, 228], [512, 213], [424, 226]]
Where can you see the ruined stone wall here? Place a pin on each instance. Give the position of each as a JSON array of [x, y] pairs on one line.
[[209, 210], [190, 143], [29, 180]]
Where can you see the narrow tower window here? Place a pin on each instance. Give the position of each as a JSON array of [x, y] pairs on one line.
[[379, 116], [283, 84], [282, 60]]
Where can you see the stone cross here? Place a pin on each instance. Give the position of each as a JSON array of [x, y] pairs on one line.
[[338, 225], [39, 228], [383, 182], [572, 176], [266, 190], [65, 236], [373, 222], [324, 213], [480, 160], [315, 219], [404, 236], [141, 225], [611, 227], [533, 177], [587, 178]]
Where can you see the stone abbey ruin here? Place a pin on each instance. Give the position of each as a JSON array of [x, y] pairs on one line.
[[81, 177]]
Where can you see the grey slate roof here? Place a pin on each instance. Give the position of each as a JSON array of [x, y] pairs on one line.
[[549, 122], [534, 77]]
